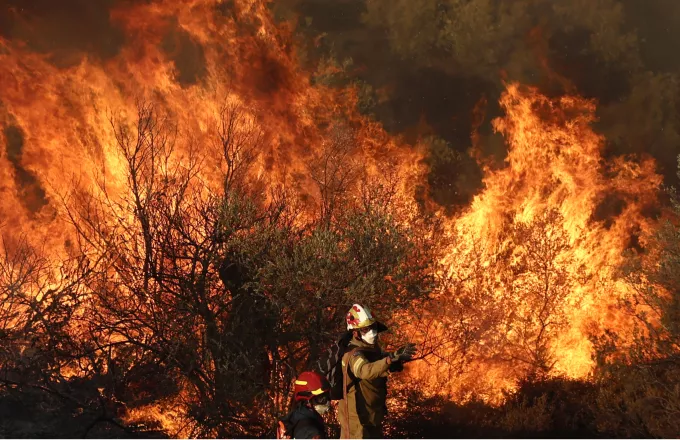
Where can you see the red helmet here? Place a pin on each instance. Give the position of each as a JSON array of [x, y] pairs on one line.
[[310, 384]]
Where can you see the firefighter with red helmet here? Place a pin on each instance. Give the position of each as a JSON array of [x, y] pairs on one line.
[[312, 400], [365, 371]]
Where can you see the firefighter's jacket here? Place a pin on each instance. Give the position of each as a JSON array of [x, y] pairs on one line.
[[306, 423], [363, 410]]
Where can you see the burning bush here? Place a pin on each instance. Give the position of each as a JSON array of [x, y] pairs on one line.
[[640, 378], [186, 219], [217, 298]]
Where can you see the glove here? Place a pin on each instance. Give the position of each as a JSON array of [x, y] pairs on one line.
[[396, 367], [404, 353]]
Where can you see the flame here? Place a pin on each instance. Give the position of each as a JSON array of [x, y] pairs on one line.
[[545, 215], [56, 121], [532, 267], [61, 126]]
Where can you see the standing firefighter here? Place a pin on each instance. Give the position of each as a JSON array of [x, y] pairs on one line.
[[365, 370], [311, 401]]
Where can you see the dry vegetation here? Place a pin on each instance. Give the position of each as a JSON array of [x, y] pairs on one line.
[[212, 299], [186, 304], [215, 300]]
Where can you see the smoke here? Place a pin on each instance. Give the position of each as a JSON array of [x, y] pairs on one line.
[[67, 30], [424, 65], [33, 195], [186, 54], [437, 59]]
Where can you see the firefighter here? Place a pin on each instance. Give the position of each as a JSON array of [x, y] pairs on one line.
[[365, 371], [311, 401]]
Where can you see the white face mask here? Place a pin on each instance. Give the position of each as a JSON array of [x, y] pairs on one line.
[[370, 336], [321, 409]]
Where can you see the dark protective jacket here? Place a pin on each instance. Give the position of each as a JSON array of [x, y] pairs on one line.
[[306, 423], [362, 412]]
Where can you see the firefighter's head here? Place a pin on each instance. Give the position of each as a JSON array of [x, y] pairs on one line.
[[361, 322], [314, 390]]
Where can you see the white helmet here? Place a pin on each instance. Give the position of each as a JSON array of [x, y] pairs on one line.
[[360, 317]]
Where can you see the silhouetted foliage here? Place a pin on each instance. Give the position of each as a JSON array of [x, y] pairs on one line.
[[211, 298]]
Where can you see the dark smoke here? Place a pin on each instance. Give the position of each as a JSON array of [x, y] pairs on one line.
[[32, 194], [187, 55], [437, 59], [68, 30]]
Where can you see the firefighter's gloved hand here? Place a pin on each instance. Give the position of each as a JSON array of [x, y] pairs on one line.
[[396, 367], [404, 353]]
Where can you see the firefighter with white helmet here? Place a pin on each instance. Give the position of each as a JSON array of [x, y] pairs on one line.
[[365, 369]]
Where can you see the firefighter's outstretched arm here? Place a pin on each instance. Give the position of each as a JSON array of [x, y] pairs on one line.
[[364, 370]]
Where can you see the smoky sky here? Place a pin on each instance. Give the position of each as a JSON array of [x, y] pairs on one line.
[[67, 30], [622, 53], [424, 76]]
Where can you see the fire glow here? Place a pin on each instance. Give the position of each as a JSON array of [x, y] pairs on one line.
[[530, 253], [531, 271]]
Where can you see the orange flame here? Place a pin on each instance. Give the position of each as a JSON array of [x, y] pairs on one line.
[[533, 263], [57, 125], [62, 126], [531, 271]]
